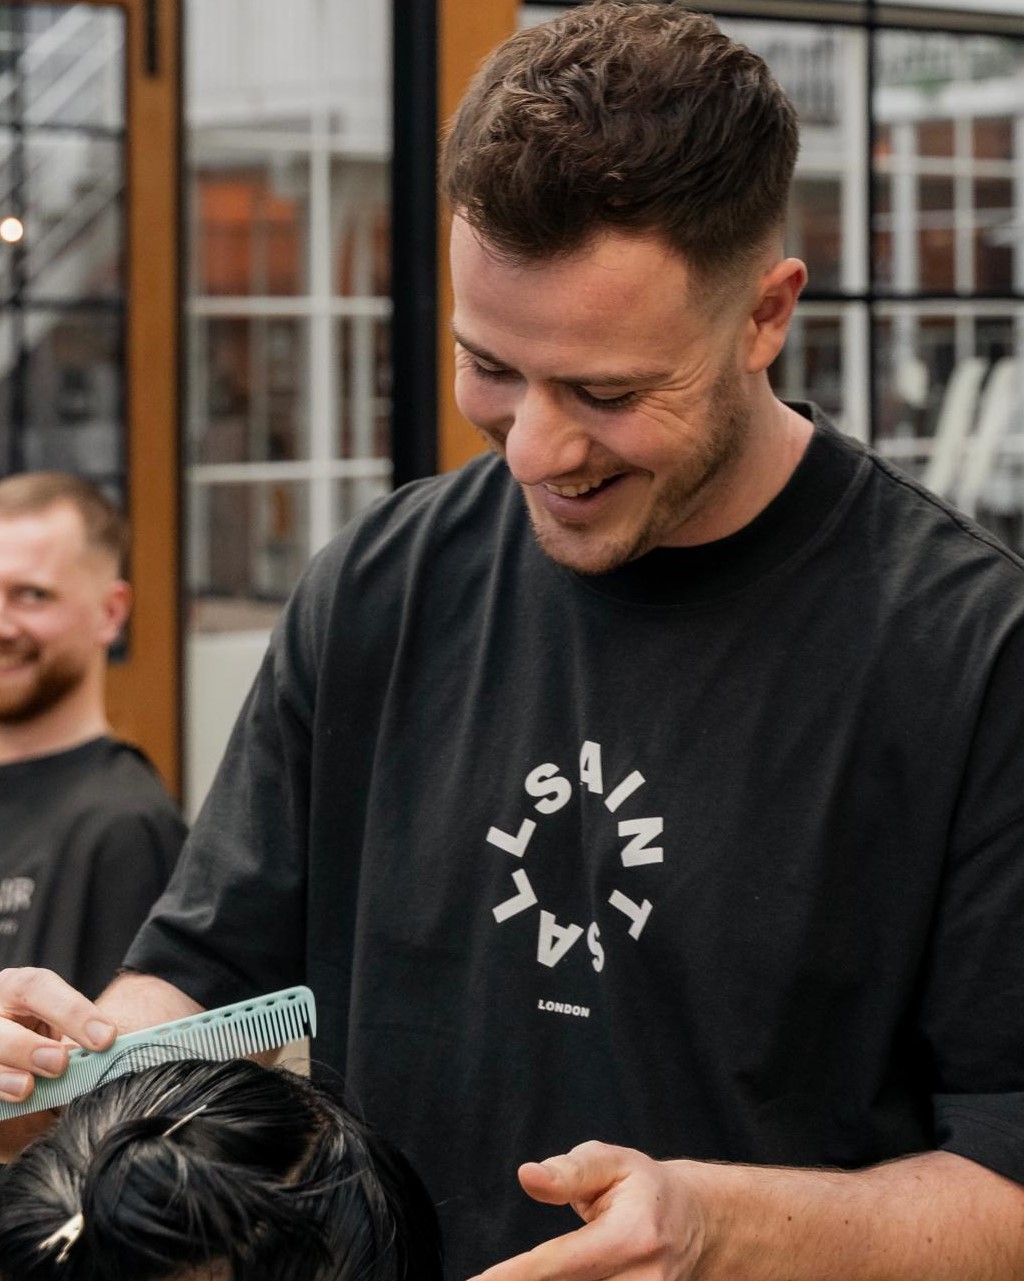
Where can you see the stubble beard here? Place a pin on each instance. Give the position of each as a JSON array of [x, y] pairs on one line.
[[53, 682], [685, 493]]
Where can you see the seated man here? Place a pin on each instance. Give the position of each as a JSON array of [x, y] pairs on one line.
[[215, 1171], [89, 834]]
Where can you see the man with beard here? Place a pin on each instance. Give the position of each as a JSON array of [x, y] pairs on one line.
[[89, 835], [656, 779]]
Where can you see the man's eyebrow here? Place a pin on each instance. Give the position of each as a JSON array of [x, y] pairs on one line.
[[628, 378], [480, 352]]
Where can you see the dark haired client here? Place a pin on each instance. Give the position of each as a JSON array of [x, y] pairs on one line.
[[199, 1171]]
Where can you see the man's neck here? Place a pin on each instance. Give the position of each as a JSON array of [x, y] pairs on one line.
[[57, 730], [778, 438]]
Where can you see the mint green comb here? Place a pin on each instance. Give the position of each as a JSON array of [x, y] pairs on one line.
[[230, 1032]]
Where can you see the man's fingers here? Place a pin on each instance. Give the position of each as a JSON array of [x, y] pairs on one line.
[[37, 1009], [44, 1057], [588, 1254]]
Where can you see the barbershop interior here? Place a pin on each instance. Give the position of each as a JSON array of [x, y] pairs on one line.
[[223, 290]]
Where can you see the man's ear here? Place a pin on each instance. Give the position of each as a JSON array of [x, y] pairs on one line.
[[116, 606], [777, 292]]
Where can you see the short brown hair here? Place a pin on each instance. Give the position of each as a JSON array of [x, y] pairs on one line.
[[632, 117], [106, 528]]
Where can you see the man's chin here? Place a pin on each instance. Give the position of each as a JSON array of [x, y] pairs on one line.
[[43, 691], [588, 554]]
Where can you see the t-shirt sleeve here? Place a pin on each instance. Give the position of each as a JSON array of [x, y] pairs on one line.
[[232, 921], [973, 999], [129, 872]]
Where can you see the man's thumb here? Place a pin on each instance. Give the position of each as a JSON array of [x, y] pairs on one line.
[[580, 1175]]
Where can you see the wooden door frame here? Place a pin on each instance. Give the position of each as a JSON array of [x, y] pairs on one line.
[[467, 31], [145, 693]]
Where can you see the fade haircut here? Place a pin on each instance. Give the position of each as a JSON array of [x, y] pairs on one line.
[[106, 528], [221, 1169], [638, 118]]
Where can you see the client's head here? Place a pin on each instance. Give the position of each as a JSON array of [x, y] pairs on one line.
[[199, 1171]]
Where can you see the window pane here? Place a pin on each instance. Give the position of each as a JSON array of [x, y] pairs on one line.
[[249, 539], [360, 228], [936, 234], [810, 366], [996, 233], [815, 229], [951, 406], [62, 239], [364, 387], [985, 6], [252, 216], [72, 188], [248, 389], [993, 138], [61, 387], [935, 138], [946, 217], [73, 71]]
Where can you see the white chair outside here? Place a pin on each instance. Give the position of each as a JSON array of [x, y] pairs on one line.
[[1000, 399], [956, 417]]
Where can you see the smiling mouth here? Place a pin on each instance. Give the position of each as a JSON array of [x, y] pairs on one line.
[[13, 659], [581, 490]]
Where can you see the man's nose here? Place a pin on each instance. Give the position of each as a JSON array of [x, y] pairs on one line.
[[544, 442]]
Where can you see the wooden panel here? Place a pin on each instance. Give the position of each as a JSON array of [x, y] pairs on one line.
[[468, 30], [144, 693]]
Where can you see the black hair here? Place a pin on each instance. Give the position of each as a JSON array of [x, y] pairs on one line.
[[255, 1172]]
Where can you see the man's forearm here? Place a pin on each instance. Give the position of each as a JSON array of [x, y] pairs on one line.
[[933, 1217], [134, 1001]]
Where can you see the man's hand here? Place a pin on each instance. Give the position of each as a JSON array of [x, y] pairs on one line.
[[41, 1015], [643, 1219], [38, 1013], [930, 1217]]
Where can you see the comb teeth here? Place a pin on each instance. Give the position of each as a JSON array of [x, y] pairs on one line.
[[230, 1032]]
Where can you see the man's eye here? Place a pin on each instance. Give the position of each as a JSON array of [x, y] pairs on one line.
[[606, 402], [487, 371], [32, 595]]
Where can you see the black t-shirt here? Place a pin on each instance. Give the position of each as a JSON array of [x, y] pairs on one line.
[[88, 838], [717, 856]]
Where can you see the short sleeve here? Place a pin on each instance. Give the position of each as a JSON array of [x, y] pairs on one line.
[[232, 922], [973, 1002]]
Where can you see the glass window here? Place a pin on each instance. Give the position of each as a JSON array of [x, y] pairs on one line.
[[62, 240], [986, 6], [950, 384], [815, 228], [364, 387], [249, 398], [252, 219], [256, 546], [288, 354], [360, 229]]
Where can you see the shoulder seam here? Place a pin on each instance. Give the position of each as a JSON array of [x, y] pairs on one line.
[[962, 522]]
